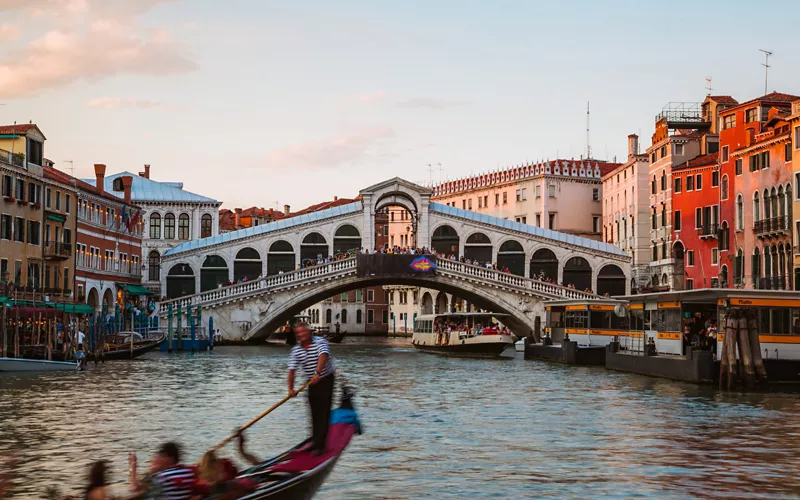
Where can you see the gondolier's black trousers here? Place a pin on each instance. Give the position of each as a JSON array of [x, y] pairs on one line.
[[320, 399]]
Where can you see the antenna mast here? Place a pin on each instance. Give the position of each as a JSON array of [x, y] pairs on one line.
[[708, 85], [588, 144], [766, 69]]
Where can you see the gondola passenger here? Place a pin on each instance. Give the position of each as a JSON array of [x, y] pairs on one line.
[[169, 479]]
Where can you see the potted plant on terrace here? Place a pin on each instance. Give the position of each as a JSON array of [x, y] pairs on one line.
[[18, 159]]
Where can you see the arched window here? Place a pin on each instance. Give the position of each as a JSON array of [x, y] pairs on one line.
[[774, 201], [328, 315], [724, 187], [739, 213], [738, 267], [169, 227], [756, 207], [205, 226], [781, 203], [183, 227], [723, 276], [155, 226], [767, 207], [359, 315], [154, 265], [344, 316], [756, 266]]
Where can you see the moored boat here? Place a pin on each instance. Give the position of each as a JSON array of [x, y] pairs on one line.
[[475, 335], [35, 365], [119, 346]]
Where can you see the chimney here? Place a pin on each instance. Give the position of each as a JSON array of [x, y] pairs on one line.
[[335, 198], [633, 145], [286, 210], [146, 173], [238, 218], [100, 176], [127, 182]]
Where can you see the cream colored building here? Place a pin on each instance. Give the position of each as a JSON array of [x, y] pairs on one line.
[[794, 121], [563, 195], [626, 208]]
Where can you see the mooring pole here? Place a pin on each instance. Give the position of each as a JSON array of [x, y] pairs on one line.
[[211, 333], [169, 328]]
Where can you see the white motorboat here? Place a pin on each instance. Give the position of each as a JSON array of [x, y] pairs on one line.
[[461, 334], [519, 345], [35, 365]]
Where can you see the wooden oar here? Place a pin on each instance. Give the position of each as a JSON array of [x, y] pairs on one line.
[[232, 436]]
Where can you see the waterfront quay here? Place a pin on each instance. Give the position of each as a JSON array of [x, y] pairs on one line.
[[433, 426]]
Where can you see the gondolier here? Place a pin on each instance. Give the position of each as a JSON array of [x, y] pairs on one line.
[[312, 356]]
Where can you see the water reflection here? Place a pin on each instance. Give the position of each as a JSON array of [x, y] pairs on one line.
[[438, 427]]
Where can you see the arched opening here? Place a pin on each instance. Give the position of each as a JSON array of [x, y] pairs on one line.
[[756, 207], [214, 273], [343, 316], [427, 303], [456, 303], [359, 317], [665, 280], [180, 281], [512, 255], [774, 201], [314, 247], [755, 265], [611, 280], [346, 239], [441, 303], [478, 248], [544, 265], [677, 250], [183, 227], [206, 223], [723, 276], [93, 299], [280, 258], [788, 279], [108, 301], [169, 227], [329, 316], [578, 273], [445, 240], [155, 226], [154, 266], [247, 265], [654, 280]]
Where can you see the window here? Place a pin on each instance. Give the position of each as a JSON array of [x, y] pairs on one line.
[[370, 316], [538, 220], [552, 220], [698, 182], [19, 191], [359, 295], [738, 166], [595, 224], [663, 151], [370, 295], [655, 253], [480, 202], [183, 227], [19, 229], [739, 213], [787, 155], [756, 207], [464, 204], [6, 227], [677, 149], [663, 181], [469, 204], [7, 185], [676, 220], [385, 316], [485, 201], [664, 218], [698, 217], [653, 157], [155, 226], [154, 266], [496, 199], [58, 200], [505, 197], [714, 179], [751, 115], [677, 185], [47, 197], [519, 195], [653, 222], [551, 191], [595, 194], [689, 284], [724, 188], [728, 121], [690, 258], [343, 297], [33, 232], [359, 317], [690, 183], [653, 186], [67, 202], [169, 227], [725, 150], [714, 256], [524, 194], [205, 226], [344, 316]]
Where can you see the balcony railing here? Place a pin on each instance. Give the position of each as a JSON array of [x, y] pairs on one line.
[[771, 227], [770, 283], [12, 158], [54, 250], [708, 231]]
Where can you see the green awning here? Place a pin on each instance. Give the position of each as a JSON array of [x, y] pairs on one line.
[[58, 218], [75, 308], [135, 289], [9, 136]]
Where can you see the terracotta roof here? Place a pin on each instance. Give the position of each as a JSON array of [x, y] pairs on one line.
[[64, 178], [325, 205], [19, 129], [723, 99], [700, 161], [771, 98]]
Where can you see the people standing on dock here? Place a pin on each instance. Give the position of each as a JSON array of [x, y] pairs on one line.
[[312, 355]]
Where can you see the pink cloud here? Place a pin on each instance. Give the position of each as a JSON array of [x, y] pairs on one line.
[[120, 102], [9, 32], [334, 151], [370, 98]]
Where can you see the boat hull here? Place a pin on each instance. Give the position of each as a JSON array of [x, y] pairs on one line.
[[482, 350], [127, 353], [35, 365]]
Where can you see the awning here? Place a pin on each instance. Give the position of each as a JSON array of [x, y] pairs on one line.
[[135, 289], [9, 136], [58, 218], [75, 308]]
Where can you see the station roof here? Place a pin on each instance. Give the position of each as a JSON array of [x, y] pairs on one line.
[[569, 239], [265, 228], [706, 295]]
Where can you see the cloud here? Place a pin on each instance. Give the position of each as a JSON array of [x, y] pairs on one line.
[[107, 42], [8, 32], [333, 152], [370, 98], [429, 103], [127, 102]]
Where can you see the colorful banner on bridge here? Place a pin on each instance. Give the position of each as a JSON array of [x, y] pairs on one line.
[[384, 264]]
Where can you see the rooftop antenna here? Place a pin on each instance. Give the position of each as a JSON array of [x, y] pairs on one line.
[[72, 171], [708, 85], [588, 145], [766, 68], [441, 170], [430, 175]]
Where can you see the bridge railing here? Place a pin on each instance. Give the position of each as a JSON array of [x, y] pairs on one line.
[[267, 282]]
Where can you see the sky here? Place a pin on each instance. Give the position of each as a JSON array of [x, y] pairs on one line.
[[260, 102]]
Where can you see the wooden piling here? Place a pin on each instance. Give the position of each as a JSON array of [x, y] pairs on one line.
[[755, 345], [745, 354]]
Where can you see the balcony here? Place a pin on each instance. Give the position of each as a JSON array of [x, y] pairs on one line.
[[16, 159], [708, 231], [770, 283], [58, 251], [775, 226]]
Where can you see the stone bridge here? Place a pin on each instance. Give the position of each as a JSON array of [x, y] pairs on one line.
[[192, 273]]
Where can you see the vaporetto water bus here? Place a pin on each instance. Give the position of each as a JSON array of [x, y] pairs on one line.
[[462, 334]]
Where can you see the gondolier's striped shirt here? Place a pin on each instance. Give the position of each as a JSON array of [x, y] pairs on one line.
[[306, 359]]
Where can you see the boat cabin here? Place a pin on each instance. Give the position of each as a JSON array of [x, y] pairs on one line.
[[673, 319], [466, 325], [587, 322]]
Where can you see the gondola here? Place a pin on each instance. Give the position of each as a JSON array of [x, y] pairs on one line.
[[123, 350], [336, 338], [297, 474]]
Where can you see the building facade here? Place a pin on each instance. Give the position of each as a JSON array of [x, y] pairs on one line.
[[364, 311], [37, 219], [794, 126], [403, 308], [626, 210], [563, 195], [170, 215]]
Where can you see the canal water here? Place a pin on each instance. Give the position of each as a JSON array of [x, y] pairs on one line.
[[434, 427]]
